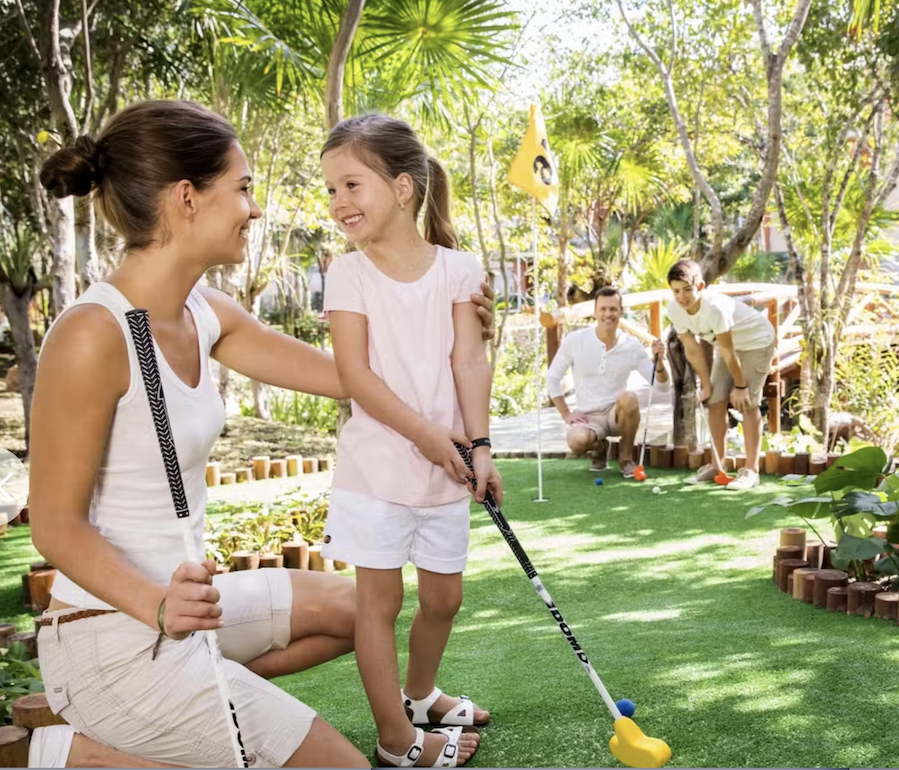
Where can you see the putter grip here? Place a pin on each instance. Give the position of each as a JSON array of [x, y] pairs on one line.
[[139, 324], [497, 515]]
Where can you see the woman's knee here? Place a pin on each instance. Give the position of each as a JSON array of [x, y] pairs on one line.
[[326, 747]]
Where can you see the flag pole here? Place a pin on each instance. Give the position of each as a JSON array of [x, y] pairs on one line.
[[537, 378]]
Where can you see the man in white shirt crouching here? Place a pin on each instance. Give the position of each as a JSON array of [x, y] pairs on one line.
[[603, 358]]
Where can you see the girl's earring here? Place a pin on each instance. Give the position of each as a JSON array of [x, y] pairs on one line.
[[402, 206]]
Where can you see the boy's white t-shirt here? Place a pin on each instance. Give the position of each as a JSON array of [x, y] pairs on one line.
[[719, 313], [410, 342]]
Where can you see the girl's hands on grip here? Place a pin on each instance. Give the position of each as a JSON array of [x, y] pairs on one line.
[[486, 475], [191, 602], [438, 444]]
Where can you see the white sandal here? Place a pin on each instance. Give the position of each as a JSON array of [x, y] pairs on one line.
[[418, 711], [448, 757]]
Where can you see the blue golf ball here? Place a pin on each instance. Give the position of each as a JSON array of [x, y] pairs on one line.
[[626, 707], [598, 482]]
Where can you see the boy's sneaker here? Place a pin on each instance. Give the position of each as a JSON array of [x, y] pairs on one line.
[[50, 746], [704, 475], [600, 458], [746, 479], [627, 469]]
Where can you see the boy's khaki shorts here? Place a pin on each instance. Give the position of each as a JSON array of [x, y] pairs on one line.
[[756, 366]]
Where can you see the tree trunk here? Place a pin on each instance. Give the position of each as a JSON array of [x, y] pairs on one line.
[[561, 270], [260, 401], [16, 309], [62, 273], [337, 63], [86, 257], [822, 380], [683, 380]]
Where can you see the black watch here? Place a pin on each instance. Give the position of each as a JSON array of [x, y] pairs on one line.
[[480, 442]]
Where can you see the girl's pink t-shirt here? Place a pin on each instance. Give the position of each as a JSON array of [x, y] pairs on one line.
[[410, 341]]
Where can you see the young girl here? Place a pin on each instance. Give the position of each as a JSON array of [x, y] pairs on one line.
[[409, 352]]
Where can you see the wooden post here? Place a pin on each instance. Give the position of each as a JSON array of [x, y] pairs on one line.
[[553, 342], [655, 456], [213, 474], [801, 463], [695, 460], [730, 463], [29, 639], [814, 554], [244, 475], [310, 465], [816, 466], [318, 562], [774, 400], [861, 598], [325, 464], [799, 581], [681, 457], [39, 585], [793, 536], [262, 467], [294, 465], [296, 554], [784, 568], [33, 711], [786, 552], [837, 599], [6, 631], [244, 560], [739, 461], [886, 605], [228, 478], [826, 579], [808, 586], [271, 561], [666, 456], [786, 464], [613, 449], [279, 468], [772, 461], [13, 746]]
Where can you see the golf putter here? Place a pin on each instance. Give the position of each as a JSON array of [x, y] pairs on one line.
[[629, 745], [640, 471]]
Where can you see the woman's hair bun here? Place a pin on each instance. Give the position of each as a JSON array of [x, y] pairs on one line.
[[73, 170]]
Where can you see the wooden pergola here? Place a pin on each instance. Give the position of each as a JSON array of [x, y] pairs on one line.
[[783, 310]]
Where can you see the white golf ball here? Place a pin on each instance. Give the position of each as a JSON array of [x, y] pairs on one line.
[[656, 490]]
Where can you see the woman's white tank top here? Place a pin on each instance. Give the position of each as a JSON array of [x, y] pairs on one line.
[[132, 506]]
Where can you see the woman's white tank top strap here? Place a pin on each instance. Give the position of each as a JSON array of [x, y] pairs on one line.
[[132, 505]]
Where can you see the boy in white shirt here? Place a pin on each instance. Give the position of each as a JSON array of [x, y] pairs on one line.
[[603, 358], [744, 340]]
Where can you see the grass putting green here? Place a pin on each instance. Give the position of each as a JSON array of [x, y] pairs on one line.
[[671, 598]]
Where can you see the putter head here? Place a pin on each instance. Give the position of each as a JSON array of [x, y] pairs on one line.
[[639, 473], [723, 479], [631, 747]]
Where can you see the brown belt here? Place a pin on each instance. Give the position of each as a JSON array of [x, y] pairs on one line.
[[43, 621]]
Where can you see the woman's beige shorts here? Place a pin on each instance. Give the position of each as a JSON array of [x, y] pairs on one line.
[[99, 676]]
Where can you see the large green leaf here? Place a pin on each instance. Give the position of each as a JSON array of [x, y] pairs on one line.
[[851, 548], [856, 470], [865, 502], [439, 48], [811, 507]]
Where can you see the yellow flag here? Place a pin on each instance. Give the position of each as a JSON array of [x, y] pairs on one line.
[[533, 169]]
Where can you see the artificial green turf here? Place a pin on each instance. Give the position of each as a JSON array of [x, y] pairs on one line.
[[671, 598]]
